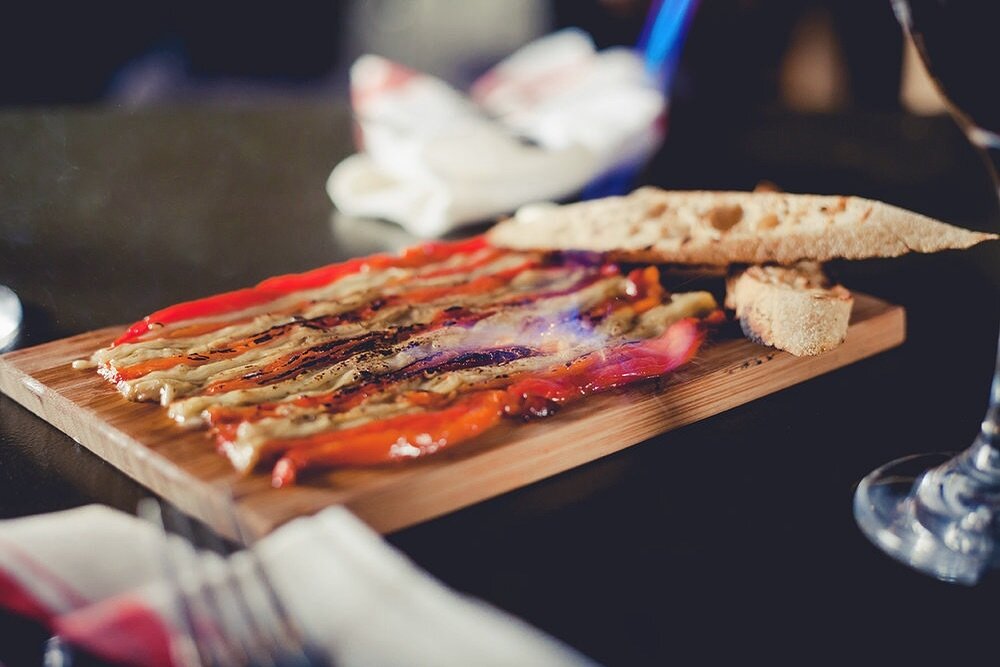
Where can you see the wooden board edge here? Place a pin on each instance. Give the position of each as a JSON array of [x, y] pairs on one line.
[[427, 497], [381, 507], [199, 498]]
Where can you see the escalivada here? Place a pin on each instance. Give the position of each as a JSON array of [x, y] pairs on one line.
[[394, 357]]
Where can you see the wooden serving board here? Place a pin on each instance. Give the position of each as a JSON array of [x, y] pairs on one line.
[[182, 465]]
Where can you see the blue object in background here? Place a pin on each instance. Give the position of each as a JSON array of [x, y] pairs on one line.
[[663, 37], [660, 45]]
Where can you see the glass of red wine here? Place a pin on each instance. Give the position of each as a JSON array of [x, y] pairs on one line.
[[938, 514]]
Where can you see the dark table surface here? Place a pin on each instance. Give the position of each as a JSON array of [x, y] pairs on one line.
[[731, 538]]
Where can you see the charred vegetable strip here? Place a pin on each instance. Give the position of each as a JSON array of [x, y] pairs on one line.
[[272, 288], [416, 435], [396, 356], [404, 437]]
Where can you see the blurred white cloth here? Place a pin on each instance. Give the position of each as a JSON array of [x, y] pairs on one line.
[[538, 126], [95, 576]]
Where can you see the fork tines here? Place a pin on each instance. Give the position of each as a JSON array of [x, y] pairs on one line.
[[228, 609]]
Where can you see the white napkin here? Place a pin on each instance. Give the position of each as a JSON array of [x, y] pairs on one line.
[[538, 126], [95, 576]]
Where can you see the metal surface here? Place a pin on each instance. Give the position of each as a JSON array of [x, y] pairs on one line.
[[230, 613]]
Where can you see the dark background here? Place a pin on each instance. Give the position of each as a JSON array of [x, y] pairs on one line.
[[56, 53]]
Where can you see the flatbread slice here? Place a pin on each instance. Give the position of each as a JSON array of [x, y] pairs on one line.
[[722, 228]]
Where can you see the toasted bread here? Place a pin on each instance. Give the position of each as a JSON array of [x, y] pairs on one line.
[[722, 228], [790, 308]]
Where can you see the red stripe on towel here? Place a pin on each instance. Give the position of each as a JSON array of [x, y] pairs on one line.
[[121, 630], [70, 597], [16, 598]]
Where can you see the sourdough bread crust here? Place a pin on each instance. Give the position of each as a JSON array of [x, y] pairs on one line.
[[722, 228], [790, 308]]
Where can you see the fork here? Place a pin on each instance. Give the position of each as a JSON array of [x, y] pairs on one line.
[[229, 610]]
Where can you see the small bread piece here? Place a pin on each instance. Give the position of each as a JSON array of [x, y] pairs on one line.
[[722, 228], [790, 308]]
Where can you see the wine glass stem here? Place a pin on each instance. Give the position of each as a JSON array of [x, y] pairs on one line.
[[959, 500], [988, 144], [989, 434], [945, 520]]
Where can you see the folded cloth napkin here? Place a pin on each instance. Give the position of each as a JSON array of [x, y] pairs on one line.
[[95, 576], [538, 126]]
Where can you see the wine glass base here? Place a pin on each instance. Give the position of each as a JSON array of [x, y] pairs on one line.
[[886, 511]]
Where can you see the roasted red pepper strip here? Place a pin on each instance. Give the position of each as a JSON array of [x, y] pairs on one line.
[[423, 433], [491, 256], [479, 285], [273, 288], [534, 396], [212, 305], [403, 437]]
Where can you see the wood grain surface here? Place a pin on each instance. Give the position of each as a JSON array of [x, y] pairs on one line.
[[182, 465]]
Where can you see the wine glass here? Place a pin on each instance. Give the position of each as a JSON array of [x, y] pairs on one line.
[[938, 514]]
